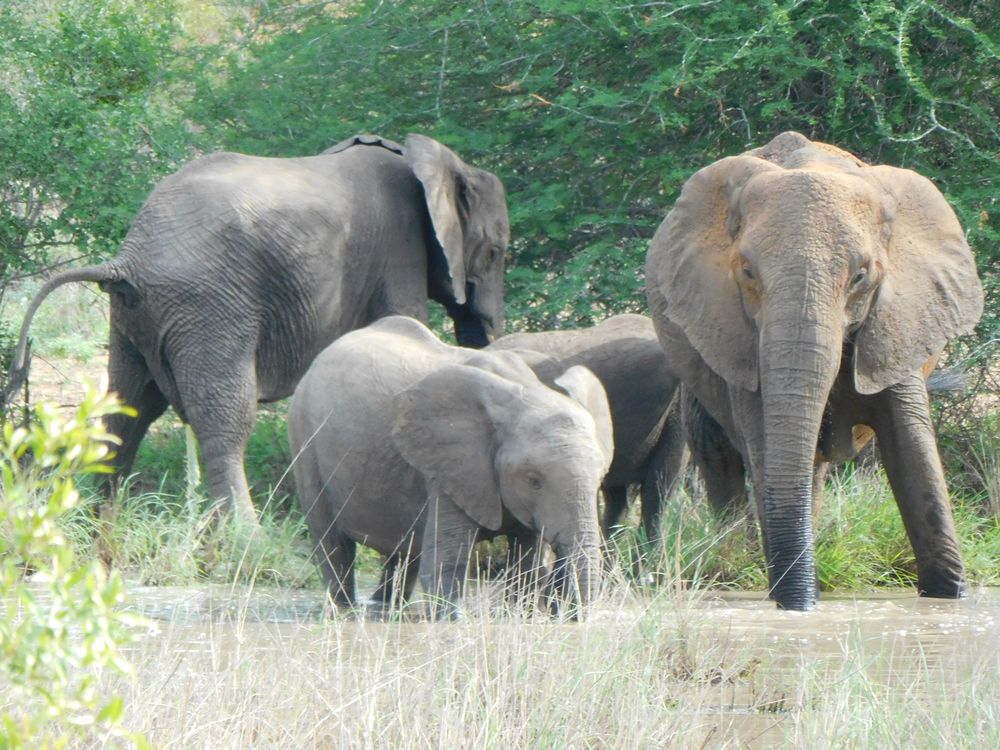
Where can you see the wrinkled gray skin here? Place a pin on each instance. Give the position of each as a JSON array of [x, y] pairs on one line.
[[239, 269], [419, 449], [625, 355], [798, 293]]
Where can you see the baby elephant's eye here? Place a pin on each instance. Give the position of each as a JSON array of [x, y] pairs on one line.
[[534, 481]]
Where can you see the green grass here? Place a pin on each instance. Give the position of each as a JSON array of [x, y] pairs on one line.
[[167, 538], [861, 543]]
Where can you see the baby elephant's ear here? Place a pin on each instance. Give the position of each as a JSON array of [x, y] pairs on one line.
[[582, 386], [442, 429]]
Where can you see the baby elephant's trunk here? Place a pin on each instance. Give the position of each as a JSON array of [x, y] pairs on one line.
[[578, 570]]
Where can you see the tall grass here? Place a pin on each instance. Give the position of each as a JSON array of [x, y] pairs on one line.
[[861, 543], [667, 670]]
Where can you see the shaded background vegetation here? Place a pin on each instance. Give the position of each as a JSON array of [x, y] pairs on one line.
[[593, 114]]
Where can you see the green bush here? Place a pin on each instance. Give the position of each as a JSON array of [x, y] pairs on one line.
[[60, 628]]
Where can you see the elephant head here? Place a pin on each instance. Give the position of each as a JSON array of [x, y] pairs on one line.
[[468, 212], [777, 268], [491, 438]]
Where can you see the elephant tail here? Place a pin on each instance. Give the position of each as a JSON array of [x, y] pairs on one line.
[[22, 357]]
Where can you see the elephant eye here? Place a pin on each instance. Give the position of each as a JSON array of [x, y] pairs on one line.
[[534, 481], [859, 277], [748, 273]]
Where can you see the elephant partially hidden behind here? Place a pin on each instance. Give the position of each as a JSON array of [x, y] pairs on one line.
[[625, 355], [800, 294], [239, 269], [418, 449]]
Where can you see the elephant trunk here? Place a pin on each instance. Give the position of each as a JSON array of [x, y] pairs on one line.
[[470, 330], [800, 356], [479, 320], [579, 571], [486, 302], [576, 539]]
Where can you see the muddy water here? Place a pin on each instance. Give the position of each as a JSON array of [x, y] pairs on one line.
[[905, 628], [216, 641]]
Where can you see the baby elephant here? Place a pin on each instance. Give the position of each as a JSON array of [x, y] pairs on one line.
[[626, 356], [419, 449]]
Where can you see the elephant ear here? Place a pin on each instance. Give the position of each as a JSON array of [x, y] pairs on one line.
[[930, 292], [505, 364], [582, 386], [691, 261], [441, 173], [443, 429]]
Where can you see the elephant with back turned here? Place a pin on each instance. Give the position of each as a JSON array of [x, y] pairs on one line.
[[625, 355], [238, 270], [419, 449], [799, 293]]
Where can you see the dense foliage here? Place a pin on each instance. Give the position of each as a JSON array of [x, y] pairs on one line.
[[593, 113], [84, 130]]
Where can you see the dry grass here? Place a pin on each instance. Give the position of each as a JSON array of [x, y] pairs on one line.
[[673, 670]]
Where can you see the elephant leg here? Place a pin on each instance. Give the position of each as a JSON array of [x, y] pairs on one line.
[[820, 471], [397, 582], [909, 453], [334, 552], [615, 503], [336, 561], [666, 470], [719, 463], [449, 535], [222, 412], [130, 379]]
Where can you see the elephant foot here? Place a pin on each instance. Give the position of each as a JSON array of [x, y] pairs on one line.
[[941, 584]]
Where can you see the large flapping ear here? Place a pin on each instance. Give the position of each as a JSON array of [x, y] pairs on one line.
[[440, 171], [930, 293], [691, 262], [442, 429], [582, 386]]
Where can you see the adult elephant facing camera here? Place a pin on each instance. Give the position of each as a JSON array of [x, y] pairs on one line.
[[238, 270], [418, 449], [798, 293]]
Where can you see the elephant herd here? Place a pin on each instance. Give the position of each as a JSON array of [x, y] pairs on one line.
[[798, 299]]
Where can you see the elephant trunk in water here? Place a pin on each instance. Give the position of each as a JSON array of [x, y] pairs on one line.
[[799, 360]]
